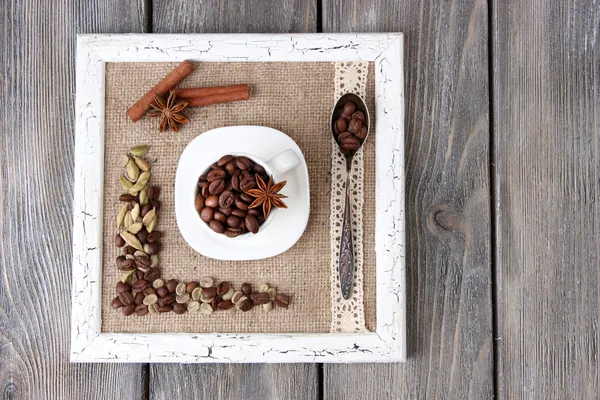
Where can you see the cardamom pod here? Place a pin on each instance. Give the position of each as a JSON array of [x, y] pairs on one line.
[[135, 212], [139, 150], [125, 183], [152, 224], [144, 196], [142, 164], [133, 172], [127, 275], [135, 228], [131, 240], [121, 215], [128, 221], [124, 160], [140, 184], [149, 217]]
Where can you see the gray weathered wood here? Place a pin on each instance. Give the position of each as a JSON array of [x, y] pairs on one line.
[[448, 208], [37, 59], [547, 184], [240, 381]]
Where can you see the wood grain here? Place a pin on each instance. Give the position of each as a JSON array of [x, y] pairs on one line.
[[36, 194], [247, 381], [448, 208], [547, 183]]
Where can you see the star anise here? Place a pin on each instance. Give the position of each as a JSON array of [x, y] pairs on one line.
[[169, 111], [267, 195]]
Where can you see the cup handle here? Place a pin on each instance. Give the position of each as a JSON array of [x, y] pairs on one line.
[[283, 162]]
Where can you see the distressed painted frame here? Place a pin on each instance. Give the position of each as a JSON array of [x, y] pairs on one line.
[[386, 344]]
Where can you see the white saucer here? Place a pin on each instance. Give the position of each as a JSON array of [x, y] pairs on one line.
[[287, 225]]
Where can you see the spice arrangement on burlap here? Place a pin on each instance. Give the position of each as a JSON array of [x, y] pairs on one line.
[[295, 98]]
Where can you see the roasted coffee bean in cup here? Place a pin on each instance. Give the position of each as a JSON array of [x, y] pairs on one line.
[[236, 196]]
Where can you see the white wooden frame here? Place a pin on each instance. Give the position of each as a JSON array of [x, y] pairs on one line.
[[387, 344]]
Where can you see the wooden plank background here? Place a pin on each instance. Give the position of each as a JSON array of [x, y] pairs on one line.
[[502, 140]]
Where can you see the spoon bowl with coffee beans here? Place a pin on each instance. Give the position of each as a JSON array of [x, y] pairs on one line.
[[350, 129]]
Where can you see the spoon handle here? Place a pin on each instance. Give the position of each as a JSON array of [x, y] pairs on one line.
[[346, 260]]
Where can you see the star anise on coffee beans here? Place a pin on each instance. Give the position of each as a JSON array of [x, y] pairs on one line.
[[268, 195], [169, 111]]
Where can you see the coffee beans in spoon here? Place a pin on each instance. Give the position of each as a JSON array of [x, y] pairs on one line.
[[350, 128], [236, 196]]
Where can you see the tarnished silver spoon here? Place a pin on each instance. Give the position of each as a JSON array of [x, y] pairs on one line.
[[348, 145]]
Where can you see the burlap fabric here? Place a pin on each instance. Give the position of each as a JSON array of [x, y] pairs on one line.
[[295, 98]]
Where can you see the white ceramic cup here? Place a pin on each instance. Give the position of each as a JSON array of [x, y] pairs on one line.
[[276, 167]]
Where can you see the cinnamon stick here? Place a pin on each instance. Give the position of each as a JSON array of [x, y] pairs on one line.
[[218, 99], [137, 111], [188, 93]]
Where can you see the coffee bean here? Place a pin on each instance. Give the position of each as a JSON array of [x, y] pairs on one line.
[[246, 198], [206, 282], [216, 187], [142, 263], [120, 260], [116, 303], [162, 292], [224, 160], [126, 298], [255, 211], [122, 287], [153, 193], [362, 134], [141, 309], [264, 288], [190, 286], [207, 214], [240, 204], [225, 305], [199, 202], [168, 300], [156, 204], [139, 285], [126, 197], [127, 265], [260, 298], [225, 211], [212, 201], [246, 289], [128, 250], [236, 297], [214, 304], [205, 191], [150, 299], [139, 298], [216, 225], [268, 307], [196, 293], [349, 108], [148, 291], [359, 115], [232, 232], [179, 308], [260, 219], [206, 308], [229, 294], [182, 298], [281, 300], [152, 248], [154, 236], [152, 274], [171, 285], [157, 284], [355, 126], [222, 288], [344, 135], [142, 235], [226, 199], [145, 210], [341, 125], [209, 293], [272, 293], [129, 309], [219, 216], [202, 178], [119, 241], [257, 168], [243, 163], [244, 304], [235, 181], [193, 306], [153, 308], [230, 167], [216, 174], [233, 221], [239, 213], [180, 288], [251, 223], [247, 183], [350, 144], [164, 309]]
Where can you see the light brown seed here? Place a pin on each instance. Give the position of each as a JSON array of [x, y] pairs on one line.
[[272, 293], [264, 288], [268, 307], [206, 308], [193, 306], [236, 297], [196, 293], [229, 294], [206, 282], [182, 298], [150, 299], [158, 283], [153, 309], [180, 289]]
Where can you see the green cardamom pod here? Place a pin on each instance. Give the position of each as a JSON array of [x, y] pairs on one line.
[[133, 172], [121, 215], [125, 183], [140, 184], [152, 224], [127, 275], [149, 217], [135, 212], [139, 150], [131, 240], [142, 164], [134, 228], [144, 196]]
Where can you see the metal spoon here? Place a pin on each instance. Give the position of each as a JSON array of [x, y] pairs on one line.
[[346, 260]]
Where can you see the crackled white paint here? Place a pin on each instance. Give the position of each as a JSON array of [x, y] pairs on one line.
[[387, 344]]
